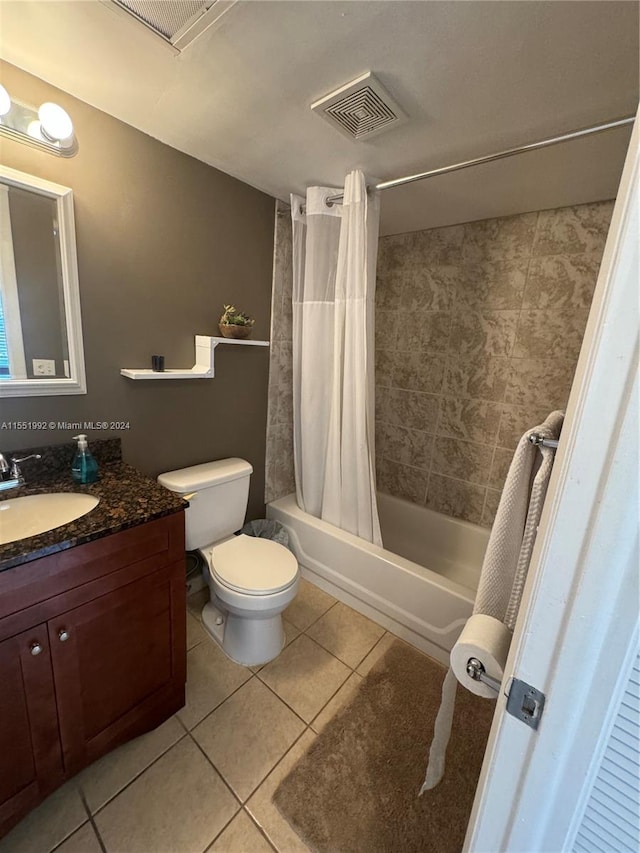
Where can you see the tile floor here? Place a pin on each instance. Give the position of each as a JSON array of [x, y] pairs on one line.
[[203, 780]]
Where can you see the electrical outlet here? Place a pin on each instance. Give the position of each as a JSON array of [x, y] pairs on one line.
[[44, 367]]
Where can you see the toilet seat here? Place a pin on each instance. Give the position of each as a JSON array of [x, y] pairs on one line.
[[253, 566]]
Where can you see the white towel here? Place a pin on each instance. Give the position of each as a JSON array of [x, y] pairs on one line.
[[506, 563]]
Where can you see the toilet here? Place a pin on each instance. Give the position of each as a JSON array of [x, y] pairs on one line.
[[251, 580]]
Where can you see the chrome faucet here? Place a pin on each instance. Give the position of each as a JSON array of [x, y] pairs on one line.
[[15, 474]]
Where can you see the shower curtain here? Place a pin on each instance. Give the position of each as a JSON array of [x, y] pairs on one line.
[[334, 265]]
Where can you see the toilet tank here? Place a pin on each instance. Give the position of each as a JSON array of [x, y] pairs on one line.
[[217, 493]]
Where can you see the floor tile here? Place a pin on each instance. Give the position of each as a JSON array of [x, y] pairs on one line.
[[305, 676], [247, 735], [265, 813], [106, 777], [211, 677], [178, 804], [83, 840], [241, 836], [49, 824], [376, 653], [309, 604], [342, 698], [345, 633], [290, 630], [195, 632]]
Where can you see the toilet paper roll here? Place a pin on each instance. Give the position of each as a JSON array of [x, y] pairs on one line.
[[488, 640]]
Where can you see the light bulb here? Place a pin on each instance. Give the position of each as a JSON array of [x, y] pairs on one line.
[[55, 122], [34, 130], [5, 101]]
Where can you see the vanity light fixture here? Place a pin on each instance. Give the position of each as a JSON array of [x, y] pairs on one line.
[[48, 128]]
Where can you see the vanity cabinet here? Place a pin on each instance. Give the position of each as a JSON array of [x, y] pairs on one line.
[[30, 752], [92, 654]]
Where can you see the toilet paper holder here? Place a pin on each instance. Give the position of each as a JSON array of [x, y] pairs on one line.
[[476, 670], [524, 702]]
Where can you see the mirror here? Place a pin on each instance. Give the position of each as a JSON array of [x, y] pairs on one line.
[[41, 350]]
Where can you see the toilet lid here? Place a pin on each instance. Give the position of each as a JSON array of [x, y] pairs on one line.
[[253, 566]]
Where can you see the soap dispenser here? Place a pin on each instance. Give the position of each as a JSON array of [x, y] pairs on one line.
[[85, 468]]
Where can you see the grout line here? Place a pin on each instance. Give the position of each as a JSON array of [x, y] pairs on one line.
[[433, 442], [91, 820], [221, 703], [257, 825], [227, 785], [374, 646], [284, 701], [280, 760], [230, 821], [439, 474], [352, 670], [318, 618], [460, 397], [319, 644], [186, 730], [144, 769], [484, 502]]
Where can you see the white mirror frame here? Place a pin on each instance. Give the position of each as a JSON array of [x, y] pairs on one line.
[[76, 383]]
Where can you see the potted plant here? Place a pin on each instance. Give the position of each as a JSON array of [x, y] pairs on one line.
[[234, 323]]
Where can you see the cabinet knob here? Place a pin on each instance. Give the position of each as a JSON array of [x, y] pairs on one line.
[[35, 649], [63, 635]]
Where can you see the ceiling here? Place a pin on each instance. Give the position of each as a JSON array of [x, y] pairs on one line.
[[473, 77]]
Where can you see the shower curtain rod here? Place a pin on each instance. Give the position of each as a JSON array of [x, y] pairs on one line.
[[490, 158]]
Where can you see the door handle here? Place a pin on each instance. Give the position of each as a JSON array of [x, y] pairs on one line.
[[63, 635], [35, 648]]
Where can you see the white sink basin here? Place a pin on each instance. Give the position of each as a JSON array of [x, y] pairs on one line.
[[33, 514]]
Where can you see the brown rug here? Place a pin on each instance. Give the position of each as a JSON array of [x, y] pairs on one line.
[[356, 789]]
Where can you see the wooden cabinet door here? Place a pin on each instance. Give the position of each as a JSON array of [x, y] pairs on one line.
[[119, 664], [30, 756]]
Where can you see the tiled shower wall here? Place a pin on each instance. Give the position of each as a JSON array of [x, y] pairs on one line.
[[478, 329], [279, 452]]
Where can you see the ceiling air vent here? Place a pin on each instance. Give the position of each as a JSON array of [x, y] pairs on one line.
[[360, 109], [177, 22]]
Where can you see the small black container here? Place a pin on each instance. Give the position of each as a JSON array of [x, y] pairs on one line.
[[157, 363]]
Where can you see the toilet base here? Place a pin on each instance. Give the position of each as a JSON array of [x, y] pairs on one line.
[[247, 641]]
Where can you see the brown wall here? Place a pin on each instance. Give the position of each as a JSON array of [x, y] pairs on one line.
[[163, 240]]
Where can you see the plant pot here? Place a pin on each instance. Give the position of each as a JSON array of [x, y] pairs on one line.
[[230, 330]]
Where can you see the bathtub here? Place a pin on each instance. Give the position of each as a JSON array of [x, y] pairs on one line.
[[420, 586]]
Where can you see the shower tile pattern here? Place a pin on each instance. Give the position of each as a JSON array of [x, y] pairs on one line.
[[279, 452], [478, 330]]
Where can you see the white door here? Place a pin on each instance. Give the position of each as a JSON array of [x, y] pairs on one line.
[[576, 637]]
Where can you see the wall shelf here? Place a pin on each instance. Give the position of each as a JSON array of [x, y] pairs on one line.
[[203, 368]]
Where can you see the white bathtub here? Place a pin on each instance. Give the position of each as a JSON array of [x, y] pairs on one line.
[[420, 586]]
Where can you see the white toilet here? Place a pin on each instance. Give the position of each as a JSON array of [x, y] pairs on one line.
[[251, 580]]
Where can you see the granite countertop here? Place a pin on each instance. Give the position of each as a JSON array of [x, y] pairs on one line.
[[127, 498]]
